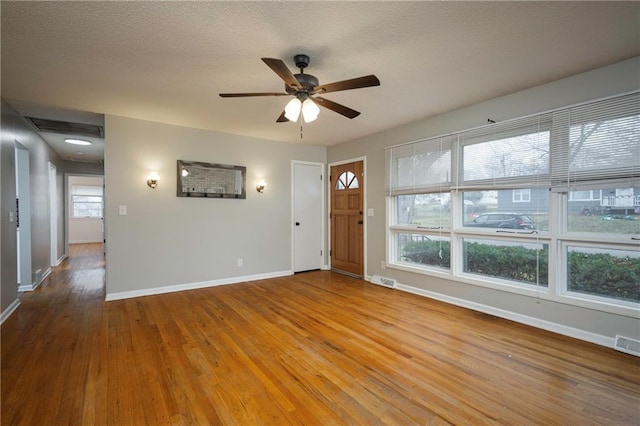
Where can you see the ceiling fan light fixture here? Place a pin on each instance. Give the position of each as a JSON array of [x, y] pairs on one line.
[[292, 110], [310, 111]]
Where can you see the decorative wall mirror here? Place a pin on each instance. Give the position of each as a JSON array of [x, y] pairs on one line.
[[209, 180]]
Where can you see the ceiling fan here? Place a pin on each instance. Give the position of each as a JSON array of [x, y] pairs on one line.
[[305, 88]]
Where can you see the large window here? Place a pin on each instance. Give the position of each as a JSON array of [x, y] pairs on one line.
[[548, 203]]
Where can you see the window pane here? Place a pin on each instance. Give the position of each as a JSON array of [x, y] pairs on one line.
[[603, 272], [347, 180], [420, 166], [83, 206], [611, 210], [425, 250], [428, 210], [87, 210], [526, 209], [523, 155], [604, 144], [521, 262]]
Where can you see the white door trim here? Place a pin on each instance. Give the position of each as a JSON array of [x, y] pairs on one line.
[[23, 192], [53, 216]]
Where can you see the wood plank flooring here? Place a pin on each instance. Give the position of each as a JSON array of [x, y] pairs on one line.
[[315, 348]]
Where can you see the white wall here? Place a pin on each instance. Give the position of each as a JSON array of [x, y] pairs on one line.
[[84, 230], [590, 325], [168, 241]]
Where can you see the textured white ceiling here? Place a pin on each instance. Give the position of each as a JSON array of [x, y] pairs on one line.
[[167, 61]]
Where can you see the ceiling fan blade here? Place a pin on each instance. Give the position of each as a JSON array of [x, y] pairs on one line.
[[336, 107], [282, 118], [354, 83], [283, 71], [243, 95]]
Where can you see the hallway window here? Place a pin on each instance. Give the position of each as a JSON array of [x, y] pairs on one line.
[[86, 201]]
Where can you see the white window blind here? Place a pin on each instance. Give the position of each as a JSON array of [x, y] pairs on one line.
[[506, 155], [86, 190], [420, 167], [598, 141]]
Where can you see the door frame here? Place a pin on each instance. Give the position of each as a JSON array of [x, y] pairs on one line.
[[24, 257], [364, 209], [67, 204], [323, 171], [53, 214]]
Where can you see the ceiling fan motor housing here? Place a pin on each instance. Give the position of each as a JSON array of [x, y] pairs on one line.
[[307, 81]]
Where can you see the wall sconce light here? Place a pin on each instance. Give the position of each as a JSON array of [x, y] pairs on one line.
[[152, 180], [261, 185]]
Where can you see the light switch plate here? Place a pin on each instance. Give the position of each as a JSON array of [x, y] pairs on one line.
[[369, 212], [122, 210]]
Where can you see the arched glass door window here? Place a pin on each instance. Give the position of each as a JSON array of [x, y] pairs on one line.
[[347, 180]]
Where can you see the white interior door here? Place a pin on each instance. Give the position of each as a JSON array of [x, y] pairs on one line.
[[308, 247]]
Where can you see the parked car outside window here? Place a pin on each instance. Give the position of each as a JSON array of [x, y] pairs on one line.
[[503, 220]]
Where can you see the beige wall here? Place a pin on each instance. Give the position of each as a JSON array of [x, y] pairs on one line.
[[165, 240], [15, 129], [603, 82]]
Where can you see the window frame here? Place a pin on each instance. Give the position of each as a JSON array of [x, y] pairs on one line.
[[522, 192]]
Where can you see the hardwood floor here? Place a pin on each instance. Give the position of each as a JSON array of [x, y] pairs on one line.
[[314, 348]]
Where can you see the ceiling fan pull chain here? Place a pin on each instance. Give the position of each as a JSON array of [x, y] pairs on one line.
[[300, 129]]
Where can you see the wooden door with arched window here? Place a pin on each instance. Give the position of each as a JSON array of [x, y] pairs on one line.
[[347, 220]]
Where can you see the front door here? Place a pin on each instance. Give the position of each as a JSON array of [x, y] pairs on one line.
[[347, 221]]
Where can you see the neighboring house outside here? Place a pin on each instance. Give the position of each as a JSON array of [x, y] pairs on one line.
[[591, 202]]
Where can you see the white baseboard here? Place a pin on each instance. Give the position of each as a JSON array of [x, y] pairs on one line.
[[35, 284], [193, 286], [61, 259], [44, 277], [326, 268], [10, 309], [26, 287], [85, 241], [523, 319]]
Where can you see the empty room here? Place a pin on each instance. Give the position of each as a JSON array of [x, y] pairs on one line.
[[320, 213]]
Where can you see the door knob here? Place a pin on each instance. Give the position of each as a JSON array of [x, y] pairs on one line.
[[297, 223]]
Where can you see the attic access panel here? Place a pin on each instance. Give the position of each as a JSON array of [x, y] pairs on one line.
[[211, 180]]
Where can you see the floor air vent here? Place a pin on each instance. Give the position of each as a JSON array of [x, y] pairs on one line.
[[627, 345], [387, 282]]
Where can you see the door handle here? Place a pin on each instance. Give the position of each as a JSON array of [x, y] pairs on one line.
[[360, 222], [297, 223]]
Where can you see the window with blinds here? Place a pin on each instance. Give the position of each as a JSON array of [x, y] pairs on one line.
[[597, 141], [501, 203], [86, 201]]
